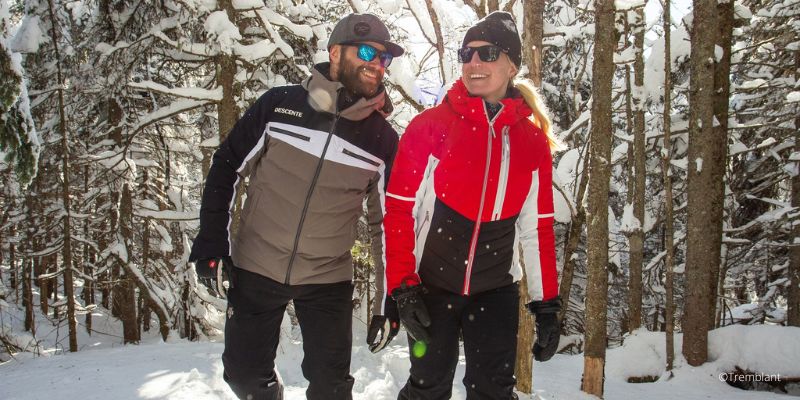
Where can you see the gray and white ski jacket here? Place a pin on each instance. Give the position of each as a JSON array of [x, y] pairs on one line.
[[312, 155]]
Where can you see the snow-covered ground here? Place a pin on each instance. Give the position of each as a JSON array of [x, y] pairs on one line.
[[103, 369]]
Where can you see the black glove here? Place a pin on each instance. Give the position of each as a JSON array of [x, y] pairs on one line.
[[413, 313], [548, 329], [212, 273], [383, 328]]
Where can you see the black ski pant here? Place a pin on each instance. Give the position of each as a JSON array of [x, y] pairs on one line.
[[488, 323], [256, 305]]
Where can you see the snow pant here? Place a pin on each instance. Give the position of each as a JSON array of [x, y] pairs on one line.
[[488, 323], [256, 305]]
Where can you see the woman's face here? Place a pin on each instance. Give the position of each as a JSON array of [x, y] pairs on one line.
[[487, 79]]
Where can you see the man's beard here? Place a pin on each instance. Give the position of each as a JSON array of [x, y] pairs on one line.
[[350, 77]]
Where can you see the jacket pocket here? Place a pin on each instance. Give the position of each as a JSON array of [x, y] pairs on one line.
[[287, 132], [360, 158]]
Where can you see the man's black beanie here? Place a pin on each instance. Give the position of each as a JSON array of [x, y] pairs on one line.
[[499, 29]]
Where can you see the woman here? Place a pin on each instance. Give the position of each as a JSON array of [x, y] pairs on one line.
[[470, 183]]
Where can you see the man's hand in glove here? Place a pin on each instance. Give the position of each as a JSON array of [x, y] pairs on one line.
[[212, 273], [383, 328], [548, 329], [413, 313]]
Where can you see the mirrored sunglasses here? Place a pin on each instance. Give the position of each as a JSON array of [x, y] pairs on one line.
[[368, 53]]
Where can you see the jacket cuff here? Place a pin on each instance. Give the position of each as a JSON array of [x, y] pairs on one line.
[[202, 250], [545, 307], [390, 309], [404, 291], [409, 280]]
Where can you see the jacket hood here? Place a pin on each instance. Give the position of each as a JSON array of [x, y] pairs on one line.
[[324, 97], [472, 107]]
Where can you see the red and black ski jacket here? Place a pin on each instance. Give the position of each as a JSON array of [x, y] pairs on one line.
[[465, 191]]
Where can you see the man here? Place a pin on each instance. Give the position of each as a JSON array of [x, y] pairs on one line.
[[313, 153]]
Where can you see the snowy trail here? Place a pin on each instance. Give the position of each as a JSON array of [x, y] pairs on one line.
[[186, 370]]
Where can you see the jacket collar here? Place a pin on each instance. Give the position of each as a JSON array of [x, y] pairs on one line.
[[324, 96], [472, 107]]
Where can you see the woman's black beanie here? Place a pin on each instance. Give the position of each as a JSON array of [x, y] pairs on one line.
[[499, 29]]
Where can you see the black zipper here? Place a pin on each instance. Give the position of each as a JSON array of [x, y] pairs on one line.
[[308, 197]]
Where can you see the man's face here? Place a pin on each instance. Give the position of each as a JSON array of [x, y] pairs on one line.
[[360, 77]]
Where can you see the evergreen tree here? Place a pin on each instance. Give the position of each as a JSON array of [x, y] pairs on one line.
[[18, 138]]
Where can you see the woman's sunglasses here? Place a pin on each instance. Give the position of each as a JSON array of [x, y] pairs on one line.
[[486, 53], [368, 53]]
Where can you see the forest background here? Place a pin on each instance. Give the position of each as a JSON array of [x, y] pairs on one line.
[[677, 193]]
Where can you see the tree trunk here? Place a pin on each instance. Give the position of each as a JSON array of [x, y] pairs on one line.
[[523, 369], [117, 292], [793, 307], [15, 267], [144, 307], [632, 319], [119, 288], [720, 286], [479, 6], [124, 300], [39, 269], [12, 275], [439, 44], [705, 186], [573, 240], [66, 254], [593, 375], [27, 296], [228, 113], [88, 263], [639, 174], [722, 90], [597, 216], [188, 328], [66, 258], [139, 316], [105, 291], [125, 297], [88, 300], [532, 37], [666, 159], [53, 282], [28, 261], [133, 280], [227, 110]]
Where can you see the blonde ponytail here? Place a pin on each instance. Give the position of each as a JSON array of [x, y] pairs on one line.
[[541, 116]]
